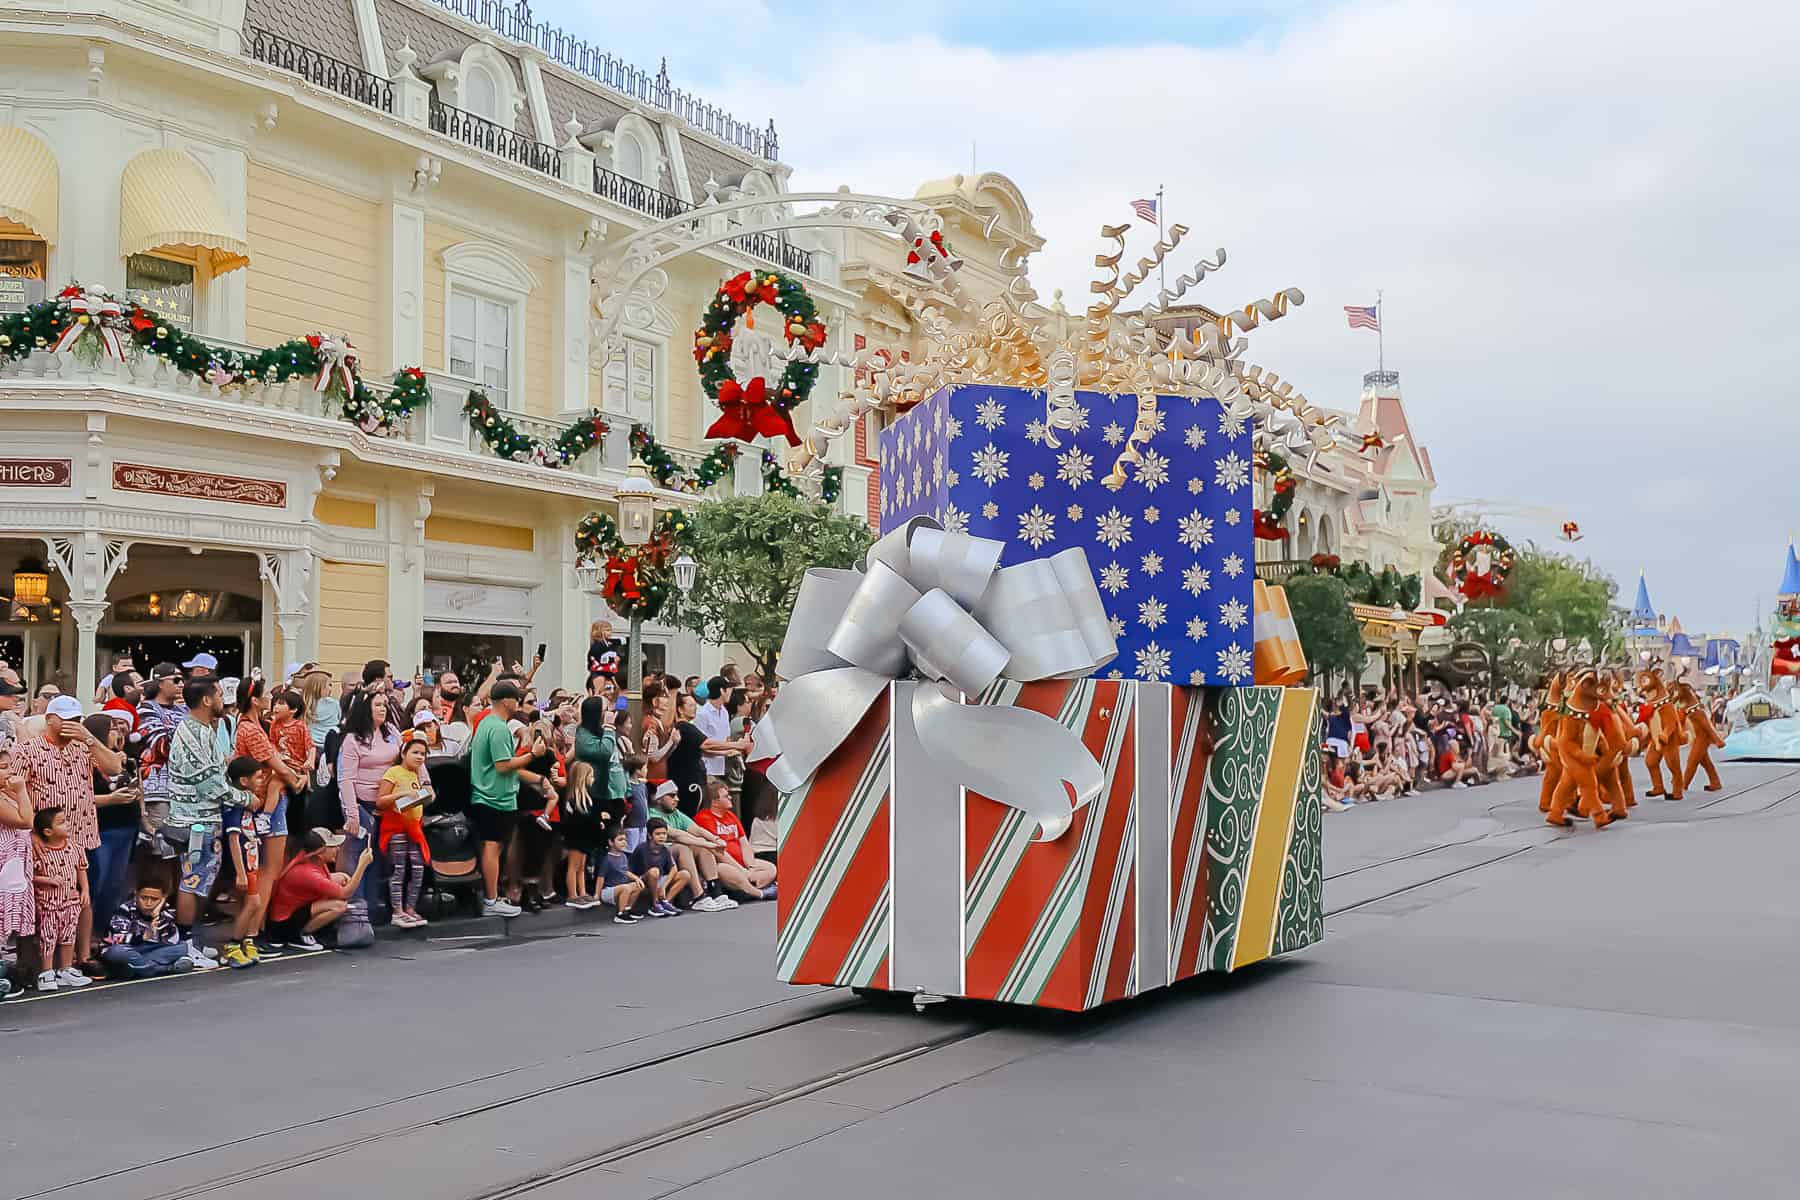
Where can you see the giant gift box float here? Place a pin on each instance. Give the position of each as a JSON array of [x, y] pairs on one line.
[[991, 787]]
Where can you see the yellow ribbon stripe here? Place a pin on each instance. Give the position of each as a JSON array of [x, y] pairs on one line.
[[1274, 828]]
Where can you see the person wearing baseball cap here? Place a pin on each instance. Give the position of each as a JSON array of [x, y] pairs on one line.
[[201, 664], [696, 851], [59, 772], [311, 894]]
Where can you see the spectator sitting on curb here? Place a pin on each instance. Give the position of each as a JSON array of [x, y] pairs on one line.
[[740, 870], [697, 852], [310, 895], [143, 939]]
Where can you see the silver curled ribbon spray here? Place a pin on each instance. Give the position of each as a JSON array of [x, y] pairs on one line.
[[937, 605]]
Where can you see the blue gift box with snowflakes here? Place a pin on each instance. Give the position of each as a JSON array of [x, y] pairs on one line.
[[1171, 547]]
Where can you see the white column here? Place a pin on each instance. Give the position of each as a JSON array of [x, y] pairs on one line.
[[562, 622], [87, 614], [90, 159], [679, 182], [406, 284], [569, 332], [529, 58], [408, 507]]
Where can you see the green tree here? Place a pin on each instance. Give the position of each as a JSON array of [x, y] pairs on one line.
[[1330, 637], [752, 553]]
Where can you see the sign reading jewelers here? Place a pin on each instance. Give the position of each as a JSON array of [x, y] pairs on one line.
[[35, 472], [199, 485]]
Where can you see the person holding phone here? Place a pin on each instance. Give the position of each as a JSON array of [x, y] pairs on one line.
[[494, 766]]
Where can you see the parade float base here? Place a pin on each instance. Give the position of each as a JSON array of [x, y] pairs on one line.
[[1769, 741]]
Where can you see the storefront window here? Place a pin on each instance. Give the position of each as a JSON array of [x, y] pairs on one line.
[[23, 265], [469, 654], [162, 286]]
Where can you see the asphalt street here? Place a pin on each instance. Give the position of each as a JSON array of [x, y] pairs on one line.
[[1499, 1009]]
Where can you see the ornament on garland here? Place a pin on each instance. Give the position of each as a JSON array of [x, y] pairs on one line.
[[1480, 565], [757, 408], [667, 474], [91, 323], [930, 258], [509, 442], [1267, 525], [638, 579], [1324, 564]]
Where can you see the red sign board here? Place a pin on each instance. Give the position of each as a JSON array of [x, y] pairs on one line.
[[199, 485], [35, 472]]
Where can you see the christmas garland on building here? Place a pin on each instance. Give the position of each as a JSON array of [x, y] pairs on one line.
[[638, 580], [747, 410], [1387, 587], [667, 472], [1268, 524], [510, 442], [1463, 575], [91, 324]]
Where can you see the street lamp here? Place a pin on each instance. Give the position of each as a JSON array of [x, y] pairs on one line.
[[637, 509], [685, 569]]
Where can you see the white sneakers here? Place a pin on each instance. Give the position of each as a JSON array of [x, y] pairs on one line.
[[500, 908], [714, 904], [50, 981]]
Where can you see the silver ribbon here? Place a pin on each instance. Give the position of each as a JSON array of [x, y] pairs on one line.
[[937, 604]]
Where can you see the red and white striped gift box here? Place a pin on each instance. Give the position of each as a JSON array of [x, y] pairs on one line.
[[887, 884]]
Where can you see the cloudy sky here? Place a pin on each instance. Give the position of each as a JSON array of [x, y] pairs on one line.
[[1582, 215]]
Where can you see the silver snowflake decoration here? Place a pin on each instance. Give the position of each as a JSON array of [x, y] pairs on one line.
[[1152, 563], [1153, 662], [990, 464], [1035, 481], [1195, 437], [1113, 528], [1195, 486], [1117, 626], [1074, 466], [956, 520], [1037, 527], [1234, 565], [1233, 614], [1153, 613], [1152, 515], [918, 476], [1035, 432], [990, 510], [1113, 433], [1232, 516], [1114, 578], [1196, 531], [937, 467], [1078, 415], [1232, 472], [1153, 471], [1074, 513], [1197, 677], [952, 477], [1234, 662], [1229, 425], [1158, 421], [953, 428], [990, 414], [1195, 580], [1196, 629]]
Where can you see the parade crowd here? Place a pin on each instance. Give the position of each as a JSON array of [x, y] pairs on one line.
[[189, 822]]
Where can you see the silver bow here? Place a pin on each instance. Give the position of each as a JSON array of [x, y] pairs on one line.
[[937, 604]]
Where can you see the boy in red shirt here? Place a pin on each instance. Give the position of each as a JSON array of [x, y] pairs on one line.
[[722, 822]]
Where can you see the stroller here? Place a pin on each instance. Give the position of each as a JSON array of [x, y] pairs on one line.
[[455, 854]]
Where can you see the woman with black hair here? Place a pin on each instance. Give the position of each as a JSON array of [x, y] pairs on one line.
[[369, 748], [687, 768]]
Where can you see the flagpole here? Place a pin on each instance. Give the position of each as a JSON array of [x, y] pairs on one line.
[[1380, 340], [1162, 283]]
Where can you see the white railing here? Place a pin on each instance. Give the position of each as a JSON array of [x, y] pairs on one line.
[[440, 427]]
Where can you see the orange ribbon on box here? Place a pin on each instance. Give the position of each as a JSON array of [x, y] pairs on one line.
[[1278, 660]]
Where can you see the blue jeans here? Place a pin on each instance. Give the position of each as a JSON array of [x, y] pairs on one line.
[[106, 873], [374, 887], [141, 962]]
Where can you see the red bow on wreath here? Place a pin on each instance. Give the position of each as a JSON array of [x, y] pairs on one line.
[[1265, 527], [621, 579], [746, 412]]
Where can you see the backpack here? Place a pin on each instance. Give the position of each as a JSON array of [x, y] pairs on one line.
[[322, 808]]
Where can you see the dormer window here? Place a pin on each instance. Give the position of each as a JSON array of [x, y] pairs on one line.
[[480, 94]]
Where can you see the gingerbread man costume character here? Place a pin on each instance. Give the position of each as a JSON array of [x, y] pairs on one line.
[[1668, 732], [1699, 723], [1582, 744]]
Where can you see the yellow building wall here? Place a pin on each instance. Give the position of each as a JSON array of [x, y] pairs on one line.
[[439, 237], [314, 255], [465, 531], [353, 618], [344, 512]]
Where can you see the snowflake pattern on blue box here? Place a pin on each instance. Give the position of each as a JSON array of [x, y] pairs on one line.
[[1172, 550]]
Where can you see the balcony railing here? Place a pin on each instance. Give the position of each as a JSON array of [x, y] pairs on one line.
[[1381, 379], [320, 70], [514, 20], [640, 196], [484, 134], [776, 249]]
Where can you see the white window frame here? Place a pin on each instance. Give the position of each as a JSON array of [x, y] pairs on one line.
[[632, 127], [650, 324], [511, 311], [656, 350], [490, 272]]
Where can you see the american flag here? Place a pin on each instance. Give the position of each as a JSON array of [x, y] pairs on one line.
[[1171, 550], [1145, 209], [1363, 316]]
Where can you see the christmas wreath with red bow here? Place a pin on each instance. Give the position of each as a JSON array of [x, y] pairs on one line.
[[748, 409], [1266, 524], [1465, 575], [638, 580]]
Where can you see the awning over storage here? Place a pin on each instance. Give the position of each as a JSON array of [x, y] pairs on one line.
[[166, 203], [28, 182]]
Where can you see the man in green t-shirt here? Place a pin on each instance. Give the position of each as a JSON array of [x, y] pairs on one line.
[[494, 764], [1504, 722]]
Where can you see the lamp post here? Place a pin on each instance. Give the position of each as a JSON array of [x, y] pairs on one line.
[[637, 513]]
